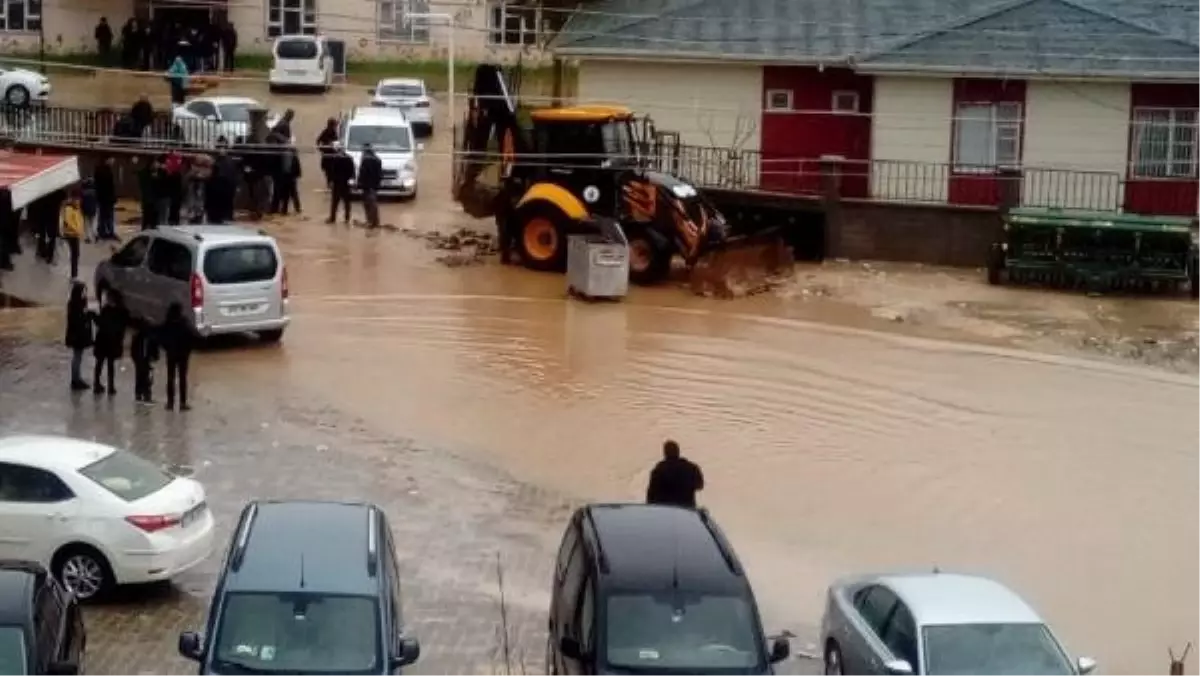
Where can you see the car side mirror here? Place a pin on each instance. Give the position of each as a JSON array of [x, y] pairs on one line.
[[781, 649], [570, 648], [69, 668], [408, 651], [898, 667], [1085, 665], [190, 646]]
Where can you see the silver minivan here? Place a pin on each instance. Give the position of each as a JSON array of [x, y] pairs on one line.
[[228, 279]]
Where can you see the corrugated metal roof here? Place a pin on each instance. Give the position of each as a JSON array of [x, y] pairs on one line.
[[1083, 37]]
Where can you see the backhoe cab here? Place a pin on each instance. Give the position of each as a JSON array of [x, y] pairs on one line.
[[567, 170]]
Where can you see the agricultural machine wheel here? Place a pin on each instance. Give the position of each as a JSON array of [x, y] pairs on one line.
[[995, 264], [542, 238], [649, 260], [1194, 277]]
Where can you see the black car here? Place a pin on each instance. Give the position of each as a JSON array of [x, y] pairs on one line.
[[307, 587], [651, 589], [41, 627]]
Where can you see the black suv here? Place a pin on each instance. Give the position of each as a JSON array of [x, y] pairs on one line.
[[655, 590], [306, 588], [41, 627]]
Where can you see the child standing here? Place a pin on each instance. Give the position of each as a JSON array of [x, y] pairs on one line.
[[143, 350], [79, 332]]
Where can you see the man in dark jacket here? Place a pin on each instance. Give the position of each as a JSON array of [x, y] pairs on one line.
[[142, 114], [176, 338], [131, 45], [229, 43], [222, 186], [285, 183], [106, 199], [341, 171], [370, 177], [325, 141], [104, 39], [143, 350], [674, 480], [148, 187], [109, 345]]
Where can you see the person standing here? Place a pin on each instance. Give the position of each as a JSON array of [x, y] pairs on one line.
[[341, 172], [89, 208], [109, 346], [148, 191], [370, 177], [198, 173], [143, 351], [142, 115], [46, 215], [229, 43], [286, 182], [222, 185], [106, 199], [130, 44], [173, 186], [79, 332], [176, 338], [104, 40], [71, 228], [9, 244], [675, 480], [146, 45], [325, 145], [177, 74]]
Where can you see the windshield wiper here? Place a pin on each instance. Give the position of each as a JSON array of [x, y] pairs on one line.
[[240, 668]]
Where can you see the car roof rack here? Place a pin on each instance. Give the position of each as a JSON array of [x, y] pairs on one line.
[[601, 559], [372, 541], [722, 543], [238, 555]]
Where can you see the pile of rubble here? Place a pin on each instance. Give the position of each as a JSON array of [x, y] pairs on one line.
[[462, 247]]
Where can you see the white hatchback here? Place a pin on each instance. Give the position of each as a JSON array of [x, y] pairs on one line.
[[97, 516]]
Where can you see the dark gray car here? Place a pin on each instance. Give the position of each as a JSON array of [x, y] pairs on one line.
[[937, 623]]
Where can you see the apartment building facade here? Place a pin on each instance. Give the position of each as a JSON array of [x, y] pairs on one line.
[[503, 30]]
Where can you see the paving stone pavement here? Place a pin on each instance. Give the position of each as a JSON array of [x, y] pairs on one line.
[[455, 522]]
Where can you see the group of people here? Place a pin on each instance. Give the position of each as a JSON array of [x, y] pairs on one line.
[[339, 170], [104, 332], [153, 45]]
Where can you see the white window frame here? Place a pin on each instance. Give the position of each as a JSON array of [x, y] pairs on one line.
[[769, 105], [1176, 157], [500, 29], [33, 16], [307, 9], [393, 25], [838, 101], [1004, 122]]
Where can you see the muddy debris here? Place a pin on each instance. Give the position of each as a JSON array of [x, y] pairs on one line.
[[1179, 353], [463, 247]]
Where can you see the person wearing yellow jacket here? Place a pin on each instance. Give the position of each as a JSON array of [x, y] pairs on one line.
[[71, 229]]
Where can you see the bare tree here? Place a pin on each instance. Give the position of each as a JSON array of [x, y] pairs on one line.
[[725, 166]]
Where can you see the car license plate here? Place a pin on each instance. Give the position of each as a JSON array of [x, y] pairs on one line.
[[243, 309], [296, 72]]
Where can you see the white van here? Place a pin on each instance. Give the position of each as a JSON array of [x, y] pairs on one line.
[[301, 61]]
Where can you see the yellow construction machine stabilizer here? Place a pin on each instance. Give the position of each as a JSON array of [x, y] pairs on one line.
[[743, 267]]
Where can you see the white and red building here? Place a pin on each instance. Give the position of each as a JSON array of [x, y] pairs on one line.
[[1094, 101]]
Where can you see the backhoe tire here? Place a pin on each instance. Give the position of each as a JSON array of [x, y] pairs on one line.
[[542, 237], [649, 261]]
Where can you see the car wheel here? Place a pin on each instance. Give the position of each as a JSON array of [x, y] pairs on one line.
[[272, 336], [833, 660], [83, 570], [17, 96]]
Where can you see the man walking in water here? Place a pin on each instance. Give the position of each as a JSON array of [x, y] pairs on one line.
[[674, 480]]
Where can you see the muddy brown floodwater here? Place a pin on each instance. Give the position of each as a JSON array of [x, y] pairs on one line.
[[828, 449]]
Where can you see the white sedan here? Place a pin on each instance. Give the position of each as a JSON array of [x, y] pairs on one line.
[[206, 119], [21, 87], [97, 516]]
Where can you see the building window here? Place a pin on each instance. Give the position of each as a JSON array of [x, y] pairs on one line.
[[20, 15], [397, 25], [987, 136], [845, 102], [291, 17], [511, 24], [1164, 142], [779, 99]]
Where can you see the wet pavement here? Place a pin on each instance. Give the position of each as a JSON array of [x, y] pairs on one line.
[[859, 419]]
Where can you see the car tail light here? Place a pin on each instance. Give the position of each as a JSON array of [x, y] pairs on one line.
[[151, 524], [283, 285], [197, 291], [421, 104]]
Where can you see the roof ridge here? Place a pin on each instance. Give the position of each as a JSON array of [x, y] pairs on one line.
[[631, 20], [958, 22], [1085, 6]]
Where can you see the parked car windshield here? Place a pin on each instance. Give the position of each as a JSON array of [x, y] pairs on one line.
[[296, 49], [673, 632], [993, 649], [381, 137], [127, 476], [409, 91], [304, 633], [234, 112], [240, 264], [12, 650]]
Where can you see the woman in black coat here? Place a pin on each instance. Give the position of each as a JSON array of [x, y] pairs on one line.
[[175, 336], [79, 332], [110, 341]]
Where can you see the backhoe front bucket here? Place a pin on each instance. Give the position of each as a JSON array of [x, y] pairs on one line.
[[743, 267]]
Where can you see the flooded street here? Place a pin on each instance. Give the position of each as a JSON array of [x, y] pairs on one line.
[[860, 420]]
